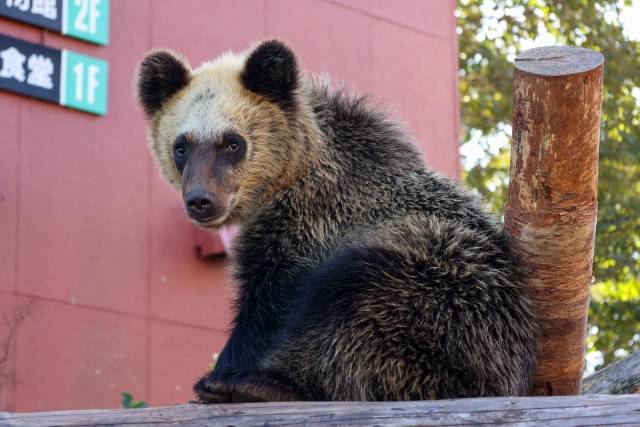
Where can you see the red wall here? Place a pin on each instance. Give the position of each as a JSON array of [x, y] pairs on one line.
[[96, 246]]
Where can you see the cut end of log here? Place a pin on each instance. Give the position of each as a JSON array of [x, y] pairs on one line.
[[558, 60]]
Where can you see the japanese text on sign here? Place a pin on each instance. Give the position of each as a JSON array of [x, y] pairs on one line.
[[83, 19], [64, 77]]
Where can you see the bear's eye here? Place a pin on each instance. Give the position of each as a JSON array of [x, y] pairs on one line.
[[233, 142], [180, 152], [180, 149]]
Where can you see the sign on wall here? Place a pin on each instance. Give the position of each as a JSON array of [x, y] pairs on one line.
[[60, 76], [83, 19]]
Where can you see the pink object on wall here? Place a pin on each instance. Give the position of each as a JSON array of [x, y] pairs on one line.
[[213, 244], [97, 246]]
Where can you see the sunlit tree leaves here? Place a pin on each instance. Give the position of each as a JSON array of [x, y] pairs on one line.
[[491, 32]]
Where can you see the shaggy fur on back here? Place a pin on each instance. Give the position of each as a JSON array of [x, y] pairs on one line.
[[362, 274]]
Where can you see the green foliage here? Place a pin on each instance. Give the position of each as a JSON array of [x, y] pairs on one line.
[[490, 33], [129, 403]]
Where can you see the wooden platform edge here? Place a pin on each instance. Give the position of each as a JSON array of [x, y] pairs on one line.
[[547, 411], [622, 377]]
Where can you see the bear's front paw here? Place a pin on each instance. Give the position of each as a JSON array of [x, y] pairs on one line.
[[237, 388], [212, 390], [262, 388]]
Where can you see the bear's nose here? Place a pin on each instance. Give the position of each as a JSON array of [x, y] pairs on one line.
[[199, 204]]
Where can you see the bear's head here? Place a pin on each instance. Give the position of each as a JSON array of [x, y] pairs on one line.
[[227, 134]]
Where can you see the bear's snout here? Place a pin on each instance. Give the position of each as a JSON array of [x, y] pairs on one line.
[[200, 205]]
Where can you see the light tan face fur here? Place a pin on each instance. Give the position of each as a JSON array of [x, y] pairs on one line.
[[214, 102]]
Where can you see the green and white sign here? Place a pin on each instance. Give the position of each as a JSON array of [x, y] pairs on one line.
[[84, 82], [60, 76], [83, 19], [86, 20]]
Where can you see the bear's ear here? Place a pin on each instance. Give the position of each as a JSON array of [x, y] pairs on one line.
[[161, 75], [271, 70]]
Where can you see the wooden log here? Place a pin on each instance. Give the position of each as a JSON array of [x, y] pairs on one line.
[[530, 411], [552, 203], [622, 377]]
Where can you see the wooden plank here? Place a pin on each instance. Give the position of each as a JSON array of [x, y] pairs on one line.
[[534, 411], [552, 206], [622, 377]]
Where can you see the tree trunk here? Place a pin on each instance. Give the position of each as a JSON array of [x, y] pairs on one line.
[[552, 204]]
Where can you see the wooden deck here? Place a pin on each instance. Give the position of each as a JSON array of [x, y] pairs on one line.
[[523, 411]]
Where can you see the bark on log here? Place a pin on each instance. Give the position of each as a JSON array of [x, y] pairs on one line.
[[552, 204], [530, 411]]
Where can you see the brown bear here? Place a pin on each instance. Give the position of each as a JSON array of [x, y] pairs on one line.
[[361, 273]]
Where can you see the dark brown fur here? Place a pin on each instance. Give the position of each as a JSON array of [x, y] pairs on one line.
[[362, 274]]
